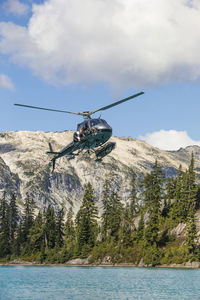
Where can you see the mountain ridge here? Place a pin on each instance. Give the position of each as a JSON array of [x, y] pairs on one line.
[[24, 160]]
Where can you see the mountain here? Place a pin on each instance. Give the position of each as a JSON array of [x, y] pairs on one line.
[[25, 168]]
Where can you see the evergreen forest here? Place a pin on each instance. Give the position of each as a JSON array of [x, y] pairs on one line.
[[142, 231]]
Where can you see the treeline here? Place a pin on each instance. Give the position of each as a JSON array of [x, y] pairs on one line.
[[128, 233]]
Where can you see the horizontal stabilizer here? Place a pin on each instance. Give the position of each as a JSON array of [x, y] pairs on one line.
[[52, 152]]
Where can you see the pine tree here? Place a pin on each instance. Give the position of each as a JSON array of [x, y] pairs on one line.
[[4, 227], [184, 200], [69, 247], [198, 198], [19, 241], [191, 205], [28, 217], [140, 230], [133, 197], [169, 197], [50, 228], [176, 209], [106, 209], [153, 185], [192, 187], [86, 221], [112, 213], [13, 219], [126, 228], [36, 234], [69, 229], [115, 216], [185, 193], [59, 228], [191, 233]]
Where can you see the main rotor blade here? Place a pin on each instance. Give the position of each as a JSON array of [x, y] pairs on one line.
[[49, 109], [116, 103]]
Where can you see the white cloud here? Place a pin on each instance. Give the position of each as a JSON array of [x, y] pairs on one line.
[[126, 43], [15, 7], [6, 82], [169, 139]]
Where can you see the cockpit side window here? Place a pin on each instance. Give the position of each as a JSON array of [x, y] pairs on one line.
[[82, 126]]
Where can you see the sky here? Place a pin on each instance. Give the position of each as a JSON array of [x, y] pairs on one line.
[[79, 55]]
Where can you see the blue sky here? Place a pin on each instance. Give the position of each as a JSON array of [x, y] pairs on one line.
[[62, 55]]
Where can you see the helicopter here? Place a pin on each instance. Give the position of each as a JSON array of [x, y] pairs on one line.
[[91, 134]]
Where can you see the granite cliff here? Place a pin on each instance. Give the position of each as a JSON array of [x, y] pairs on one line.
[[24, 167]]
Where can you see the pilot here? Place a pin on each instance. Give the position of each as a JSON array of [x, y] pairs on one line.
[[77, 136], [81, 133], [85, 129]]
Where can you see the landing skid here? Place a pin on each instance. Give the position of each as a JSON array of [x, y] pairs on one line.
[[101, 152], [104, 150]]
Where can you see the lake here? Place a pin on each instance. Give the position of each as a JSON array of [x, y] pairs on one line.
[[58, 282]]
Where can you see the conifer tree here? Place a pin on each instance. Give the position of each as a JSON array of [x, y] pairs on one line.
[[112, 213], [86, 220], [4, 227], [36, 234], [191, 232], [191, 205], [59, 228], [19, 241], [69, 229], [28, 216], [153, 185], [192, 187], [169, 197], [69, 247], [50, 228], [13, 219], [140, 230], [115, 216], [176, 209], [184, 199], [185, 193], [106, 209], [198, 198], [133, 197], [126, 228]]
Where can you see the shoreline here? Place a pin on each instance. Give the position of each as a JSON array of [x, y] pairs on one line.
[[187, 265]]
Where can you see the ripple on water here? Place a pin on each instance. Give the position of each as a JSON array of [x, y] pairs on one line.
[[46, 282]]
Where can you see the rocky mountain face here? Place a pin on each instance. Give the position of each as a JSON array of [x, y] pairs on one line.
[[25, 168]]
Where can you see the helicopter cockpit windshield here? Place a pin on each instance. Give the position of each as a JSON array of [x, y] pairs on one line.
[[95, 122], [91, 123]]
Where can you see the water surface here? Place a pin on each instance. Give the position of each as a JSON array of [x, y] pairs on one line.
[[84, 283]]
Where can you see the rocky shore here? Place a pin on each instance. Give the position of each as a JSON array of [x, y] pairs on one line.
[[84, 262]]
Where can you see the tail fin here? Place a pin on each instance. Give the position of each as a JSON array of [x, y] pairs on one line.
[[53, 160], [51, 150]]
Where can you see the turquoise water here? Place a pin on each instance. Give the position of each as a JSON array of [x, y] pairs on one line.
[[46, 282]]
